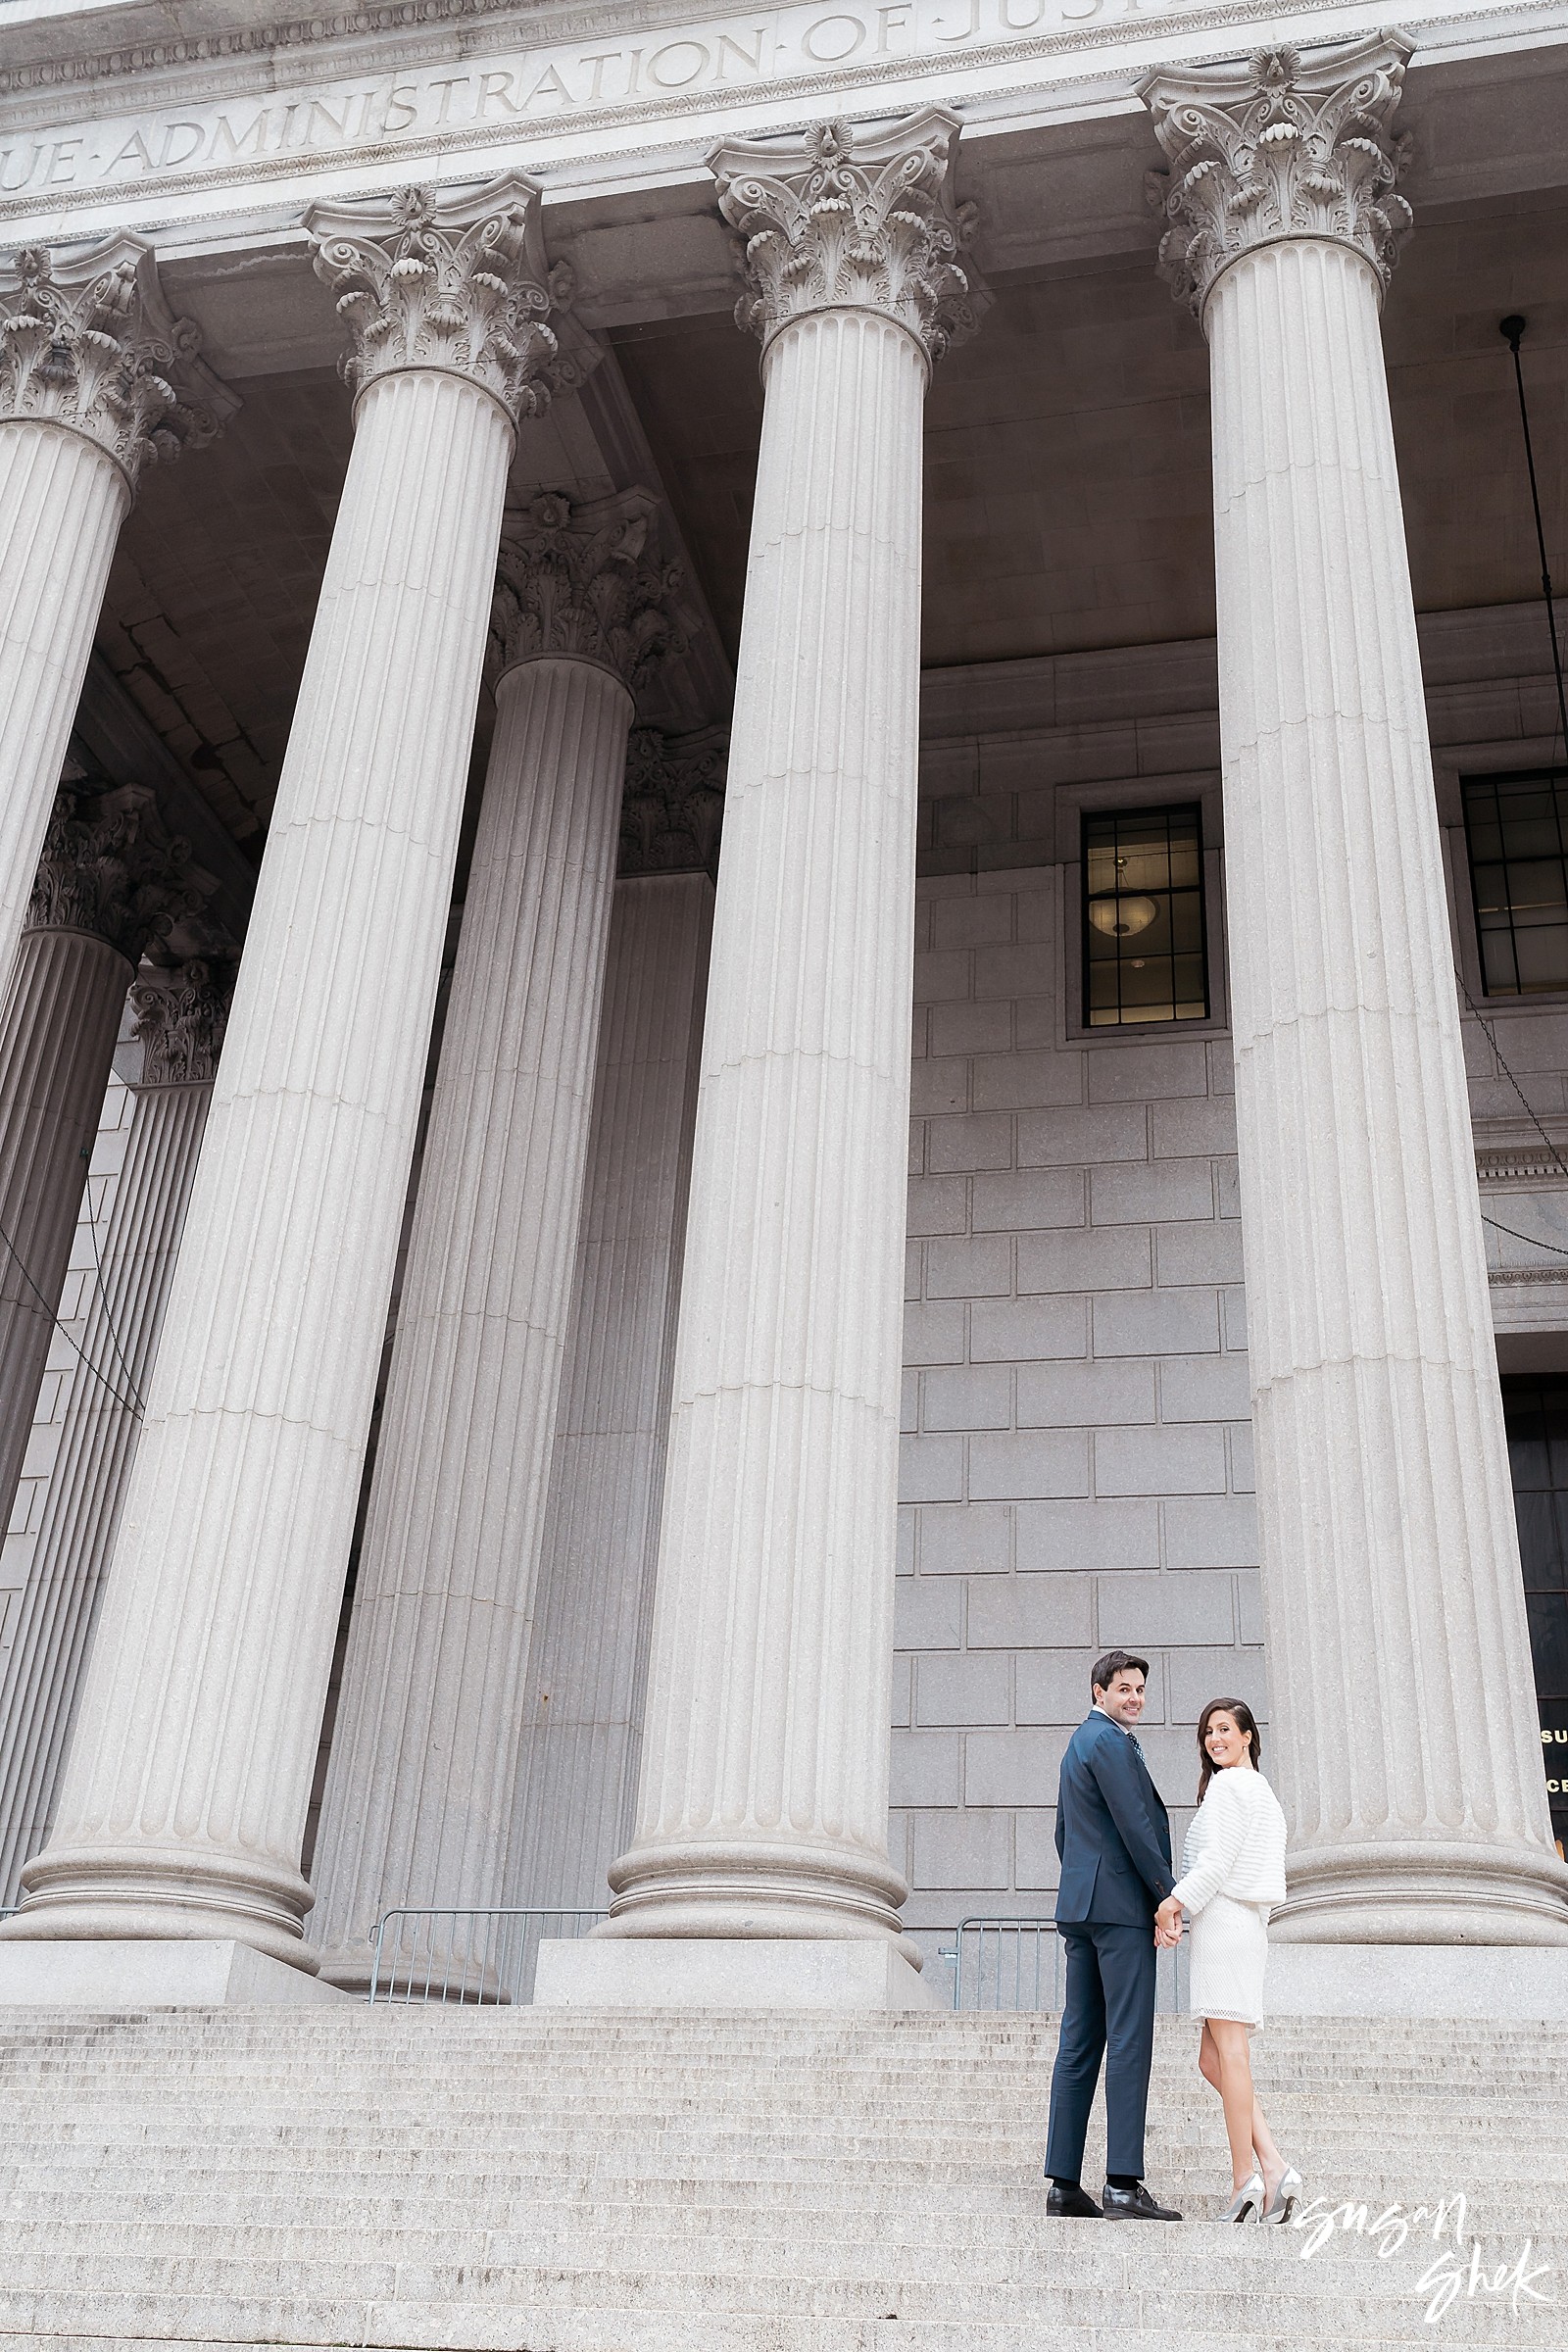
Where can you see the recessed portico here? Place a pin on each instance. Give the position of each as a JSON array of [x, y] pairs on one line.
[[934, 563]]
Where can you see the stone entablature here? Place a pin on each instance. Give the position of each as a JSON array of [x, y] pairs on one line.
[[237, 115]]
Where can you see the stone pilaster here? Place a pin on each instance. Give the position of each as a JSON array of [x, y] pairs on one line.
[[179, 1019], [588, 1660], [1399, 1659], [762, 1801], [184, 1795], [109, 881], [421, 1785], [97, 380]]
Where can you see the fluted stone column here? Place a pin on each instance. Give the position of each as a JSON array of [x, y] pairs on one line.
[[762, 1801], [179, 1017], [184, 1795], [108, 880], [593, 1612], [422, 1778], [1399, 1660], [97, 379]]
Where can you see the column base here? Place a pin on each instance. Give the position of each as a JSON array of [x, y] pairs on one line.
[[152, 1974], [1424, 1895], [427, 1979], [703, 1971], [163, 1895], [719, 1889], [1497, 1982]]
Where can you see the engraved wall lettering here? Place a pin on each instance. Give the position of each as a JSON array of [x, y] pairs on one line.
[[228, 144], [542, 87], [734, 60]]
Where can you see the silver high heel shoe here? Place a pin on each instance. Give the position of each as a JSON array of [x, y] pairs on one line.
[[1247, 2203], [1282, 2203]]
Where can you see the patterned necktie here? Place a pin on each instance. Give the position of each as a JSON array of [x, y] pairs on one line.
[[1137, 1751]]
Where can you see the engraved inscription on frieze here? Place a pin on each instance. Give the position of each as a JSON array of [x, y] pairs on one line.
[[644, 74]]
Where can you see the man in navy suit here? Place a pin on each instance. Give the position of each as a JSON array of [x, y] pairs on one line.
[[1113, 1837]]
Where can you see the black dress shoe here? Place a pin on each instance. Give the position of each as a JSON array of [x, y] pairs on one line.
[[1133, 2205], [1073, 2204]]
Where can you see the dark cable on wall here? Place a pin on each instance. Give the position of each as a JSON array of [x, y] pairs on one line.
[[1490, 1036], [1512, 329], [21, 1264]]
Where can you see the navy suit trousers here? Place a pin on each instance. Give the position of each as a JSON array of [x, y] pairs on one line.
[[1110, 2013]]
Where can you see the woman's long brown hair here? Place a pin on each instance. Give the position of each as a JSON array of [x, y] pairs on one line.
[[1245, 1720]]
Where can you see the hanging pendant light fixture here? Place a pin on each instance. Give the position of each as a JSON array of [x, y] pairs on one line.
[[1123, 917]]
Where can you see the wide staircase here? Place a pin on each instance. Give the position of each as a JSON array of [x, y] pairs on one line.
[[540, 2181]]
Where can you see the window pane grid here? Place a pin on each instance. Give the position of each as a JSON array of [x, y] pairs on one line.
[[1145, 935], [1516, 833]]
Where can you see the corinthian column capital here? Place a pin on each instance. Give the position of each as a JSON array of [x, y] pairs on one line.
[[180, 1017], [88, 342], [459, 284], [1282, 145], [109, 868], [849, 218], [586, 581], [674, 801]]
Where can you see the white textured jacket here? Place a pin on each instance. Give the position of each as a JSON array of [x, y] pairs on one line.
[[1236, 1845]]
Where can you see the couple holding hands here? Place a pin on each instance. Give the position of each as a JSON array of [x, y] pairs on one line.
[[1118, 1900]]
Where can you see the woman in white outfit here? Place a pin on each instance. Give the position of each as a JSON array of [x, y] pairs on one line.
[[1233, 1874]]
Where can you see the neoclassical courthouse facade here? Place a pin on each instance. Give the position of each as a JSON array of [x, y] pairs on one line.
[[701, 539]]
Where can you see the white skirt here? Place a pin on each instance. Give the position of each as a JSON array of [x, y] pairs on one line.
[[1229, 1953]]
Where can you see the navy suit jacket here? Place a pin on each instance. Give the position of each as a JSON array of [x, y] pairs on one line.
[[1113, 1831]]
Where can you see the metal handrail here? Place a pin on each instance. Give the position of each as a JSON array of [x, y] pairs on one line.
[[458, 1967], [1005, 1972]]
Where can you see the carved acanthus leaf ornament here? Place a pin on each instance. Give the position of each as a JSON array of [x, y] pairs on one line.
[[180, 1017], [109, 868], [674, 802], [1285, 144], [87, 341], [586, 580], [457, 284], [854, 218]]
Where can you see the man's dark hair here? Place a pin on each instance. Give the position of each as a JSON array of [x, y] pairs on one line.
[[1103, 1672]]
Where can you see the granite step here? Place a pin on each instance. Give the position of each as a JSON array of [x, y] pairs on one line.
[[518, 2181]]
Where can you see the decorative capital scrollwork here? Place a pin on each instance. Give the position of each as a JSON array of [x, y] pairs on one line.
[[87, 341], [855, 219], [674, 802], [180, 1017], [1285, 144], [109, 868], [586, 580], [456, 283]]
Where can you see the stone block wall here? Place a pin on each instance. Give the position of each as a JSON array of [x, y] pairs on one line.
[[1077, 1456], [1077, 1450]]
